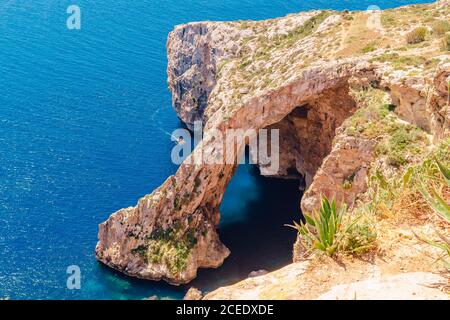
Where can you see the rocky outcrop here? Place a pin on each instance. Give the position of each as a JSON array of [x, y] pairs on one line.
[[193, 294], [421, 100], [287, 284], [195, 52], [439, 102], [167, 235], [274, 74], [349, 161]]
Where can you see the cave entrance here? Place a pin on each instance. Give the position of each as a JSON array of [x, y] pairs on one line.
[[254, 212]]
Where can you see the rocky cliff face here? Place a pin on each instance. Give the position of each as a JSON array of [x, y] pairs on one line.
[[296, 74], [195, 52]]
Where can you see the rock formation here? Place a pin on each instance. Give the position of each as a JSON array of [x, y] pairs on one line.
[[193, 294], [295, 74]]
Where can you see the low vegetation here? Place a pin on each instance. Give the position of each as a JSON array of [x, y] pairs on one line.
[[405, 141], [434, 198], [403, 62], [388, 19], [171, 247], [330, 230], [305, 30], [440, 27], [398, 142], [406, 162], [433, 192], [372, 46], [446, 42], [417, 35], [259, 63], [374, 118]]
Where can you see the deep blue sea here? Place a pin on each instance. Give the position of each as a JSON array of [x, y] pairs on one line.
[[84, 122]]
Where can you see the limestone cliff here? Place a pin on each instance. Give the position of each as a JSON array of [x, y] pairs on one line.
[[298, 74]]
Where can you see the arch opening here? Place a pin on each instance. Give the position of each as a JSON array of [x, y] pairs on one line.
[[254, 212], [257, 204]]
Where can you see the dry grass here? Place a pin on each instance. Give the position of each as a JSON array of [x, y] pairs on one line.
[[358, 37]]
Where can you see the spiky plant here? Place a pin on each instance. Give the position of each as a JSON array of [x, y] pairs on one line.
[[434, 199], [322, 229], [442, 208]]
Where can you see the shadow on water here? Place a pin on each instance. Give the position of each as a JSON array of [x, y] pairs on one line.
[[253, 214]]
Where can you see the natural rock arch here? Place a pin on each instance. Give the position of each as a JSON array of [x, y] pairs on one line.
[[171, 233], [187, 204]]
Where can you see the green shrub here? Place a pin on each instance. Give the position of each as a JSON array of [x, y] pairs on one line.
[[370, 47], [440, 27], [322, 229], [417, 35], [444, 244], [360, 238], [401, 144], [328, 231], [171, 247]]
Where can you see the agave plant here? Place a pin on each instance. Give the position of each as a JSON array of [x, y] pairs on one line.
[[442, 208], [322, 229], [434, 199]]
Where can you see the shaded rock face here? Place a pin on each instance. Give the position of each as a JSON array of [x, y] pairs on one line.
[[439, 102], [422, 101], [306, 133], [349, 159], [195, 52]]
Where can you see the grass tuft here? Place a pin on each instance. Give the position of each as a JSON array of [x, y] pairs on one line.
[[417, 35], [440, 27]]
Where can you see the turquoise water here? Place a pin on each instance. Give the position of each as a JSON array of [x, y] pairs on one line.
[[79, 139]]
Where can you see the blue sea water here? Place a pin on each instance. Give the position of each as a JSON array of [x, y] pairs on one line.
[[84, 122]]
